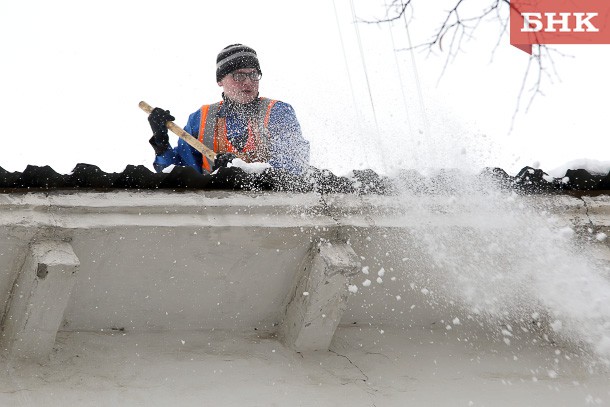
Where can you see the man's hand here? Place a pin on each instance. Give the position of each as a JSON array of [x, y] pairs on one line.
[[157, 120], [222, 160]]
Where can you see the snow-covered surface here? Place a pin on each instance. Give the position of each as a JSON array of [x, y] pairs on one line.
[[492, 299], [593, 166], [251, 168]]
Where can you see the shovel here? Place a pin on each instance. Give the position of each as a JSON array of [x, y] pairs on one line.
[[192, 141]]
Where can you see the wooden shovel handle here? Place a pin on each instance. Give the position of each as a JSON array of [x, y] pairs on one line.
[[192, 141]]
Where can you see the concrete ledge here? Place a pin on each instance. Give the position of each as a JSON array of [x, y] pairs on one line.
[[38, 300], [163, 261]]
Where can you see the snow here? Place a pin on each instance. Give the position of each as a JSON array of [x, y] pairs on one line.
[[168, 169], [556, 325], [592, 166], [566, 232], [535, 263], [252, 168]]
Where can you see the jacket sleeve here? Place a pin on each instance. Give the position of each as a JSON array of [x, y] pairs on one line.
[[183, 154], [288, 149]]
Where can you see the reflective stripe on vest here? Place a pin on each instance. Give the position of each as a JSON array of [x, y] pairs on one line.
[[215, 138]]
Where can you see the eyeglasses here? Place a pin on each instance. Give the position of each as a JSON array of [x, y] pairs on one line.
[[254, 76]]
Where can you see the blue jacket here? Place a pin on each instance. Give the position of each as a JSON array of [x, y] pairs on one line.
[[288, 149]]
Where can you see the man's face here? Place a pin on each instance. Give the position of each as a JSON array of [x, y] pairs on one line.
[[240, 91]]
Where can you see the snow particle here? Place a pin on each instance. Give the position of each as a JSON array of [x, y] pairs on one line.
[[379, 280], [365, 270], [305, 293], [425, 291], [566, 232], [366, 282], [591, 400], [601, 236], [381, 272], [352, 288], [456, 321]]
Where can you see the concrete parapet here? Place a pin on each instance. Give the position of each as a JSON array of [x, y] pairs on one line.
[[38, 300], [319, 298], [195, 260]]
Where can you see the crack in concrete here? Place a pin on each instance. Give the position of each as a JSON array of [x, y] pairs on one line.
[[586, 210], [328, 212], [380, 354], [352, 363]]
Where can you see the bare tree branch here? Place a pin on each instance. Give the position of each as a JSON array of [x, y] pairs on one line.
[[459, 25]]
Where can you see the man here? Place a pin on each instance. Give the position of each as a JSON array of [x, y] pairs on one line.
[[242, 125]]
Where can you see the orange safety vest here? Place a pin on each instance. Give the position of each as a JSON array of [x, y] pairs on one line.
[[213, 134]]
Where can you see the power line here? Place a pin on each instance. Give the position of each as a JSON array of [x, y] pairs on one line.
[[415, 73], [349, 77], [402, 87], [368, 85]]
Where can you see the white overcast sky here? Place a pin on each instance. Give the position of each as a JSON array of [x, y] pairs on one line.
[[73, 72]]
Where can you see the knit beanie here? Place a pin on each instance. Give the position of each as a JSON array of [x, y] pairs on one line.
[[236, 56]]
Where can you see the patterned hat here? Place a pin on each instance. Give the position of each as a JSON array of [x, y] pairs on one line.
[[236, 56]]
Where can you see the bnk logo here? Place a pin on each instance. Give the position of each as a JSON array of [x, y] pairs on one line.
[[559, 22], [567, 22]]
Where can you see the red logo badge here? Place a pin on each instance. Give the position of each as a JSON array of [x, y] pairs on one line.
[[559, 22]]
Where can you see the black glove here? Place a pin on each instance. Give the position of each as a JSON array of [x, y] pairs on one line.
[[157, 120], [222, 160]]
